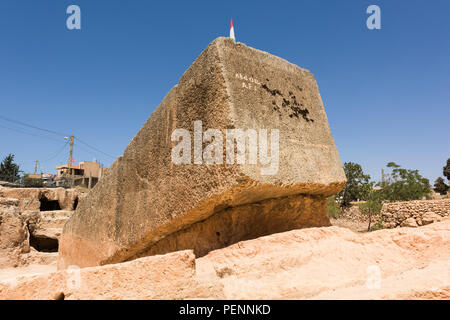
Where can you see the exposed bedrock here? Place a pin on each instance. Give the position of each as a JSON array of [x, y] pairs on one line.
[[44, 199]]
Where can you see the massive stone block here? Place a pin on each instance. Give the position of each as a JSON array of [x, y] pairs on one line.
[[147, 204]]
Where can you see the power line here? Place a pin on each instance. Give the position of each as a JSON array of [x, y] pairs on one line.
[[30, 134], [31, 126], [93, 148], [89, 151], [50, 131], [56, 154], [22, 164]]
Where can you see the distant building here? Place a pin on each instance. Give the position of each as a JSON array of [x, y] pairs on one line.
[[86, 174], [38, 180], [34, 176], [48, 179]]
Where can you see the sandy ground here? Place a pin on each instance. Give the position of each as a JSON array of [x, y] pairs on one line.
[[312, 263], [355, 226], [9, 273], [31, 269]]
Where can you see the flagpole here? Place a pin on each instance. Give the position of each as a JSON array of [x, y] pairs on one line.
[[232, 36]]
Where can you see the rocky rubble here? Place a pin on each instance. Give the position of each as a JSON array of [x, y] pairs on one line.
[[414, 213], [314, 263]]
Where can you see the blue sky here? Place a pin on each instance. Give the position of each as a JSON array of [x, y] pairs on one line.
[[386, 92]]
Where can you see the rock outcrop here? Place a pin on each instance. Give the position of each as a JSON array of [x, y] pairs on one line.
[[178, 184], [13, 233], [27, 234], [335, 263], [314, 263], [46, 227], [44, 198]]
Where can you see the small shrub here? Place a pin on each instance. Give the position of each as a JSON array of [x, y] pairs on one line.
[[378, 225], [333, 209]]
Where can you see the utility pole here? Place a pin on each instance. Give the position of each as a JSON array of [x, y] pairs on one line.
[[69, 163], [35, 166]]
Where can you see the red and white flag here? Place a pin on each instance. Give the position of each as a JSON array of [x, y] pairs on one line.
[[232, 31]]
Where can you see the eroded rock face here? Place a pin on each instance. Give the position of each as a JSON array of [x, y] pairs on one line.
[[47, 223], [45, 228], [147, 204], [27, 236], [242, 223], [335, 263], [43, 199], [13, 233]]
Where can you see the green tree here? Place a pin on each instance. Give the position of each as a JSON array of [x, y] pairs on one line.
[[446, 170], [403, 185], [9, 171], [358, 185], [440, 186], [371, 207]]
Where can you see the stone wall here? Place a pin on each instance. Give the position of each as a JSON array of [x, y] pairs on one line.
[[414, 213]]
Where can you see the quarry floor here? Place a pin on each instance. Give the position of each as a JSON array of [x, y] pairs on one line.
[[316, 263], [356, 225], [8, 273]]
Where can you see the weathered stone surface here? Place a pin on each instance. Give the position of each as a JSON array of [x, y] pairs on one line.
[[48, 224], [29, 198], [12, 229], [13, 234], [313, 263], [27, 236], [145, 197], [170, 276], [430, 217], [9, 202], [335, 263], [242, 223], [410, 222], [403, 213]]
